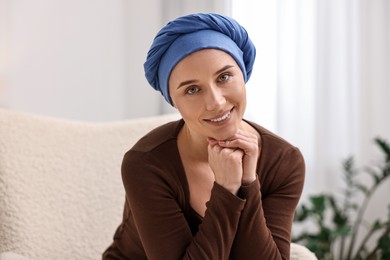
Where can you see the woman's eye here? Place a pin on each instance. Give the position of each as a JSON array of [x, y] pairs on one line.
[[192, 90], [224, 77]]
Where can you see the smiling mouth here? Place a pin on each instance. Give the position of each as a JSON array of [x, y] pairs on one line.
[[221, 118]]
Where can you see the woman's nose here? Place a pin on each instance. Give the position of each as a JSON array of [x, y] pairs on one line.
[[215, 98]]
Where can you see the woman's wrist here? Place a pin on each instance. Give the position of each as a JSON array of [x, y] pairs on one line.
[[249, 180], [231, 188]]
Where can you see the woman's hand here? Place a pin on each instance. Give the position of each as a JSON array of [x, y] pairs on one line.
[[249, 144], [226, 163]]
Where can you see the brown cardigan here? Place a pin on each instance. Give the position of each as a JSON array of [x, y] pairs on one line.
[[159, 223]]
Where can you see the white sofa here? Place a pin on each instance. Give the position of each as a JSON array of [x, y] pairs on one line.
[[61, 195]]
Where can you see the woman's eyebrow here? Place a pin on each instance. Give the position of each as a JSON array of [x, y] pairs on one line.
[[224, 68], [191, 81]]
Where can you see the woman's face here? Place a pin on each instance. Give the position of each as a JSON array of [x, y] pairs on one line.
[[208, 89]]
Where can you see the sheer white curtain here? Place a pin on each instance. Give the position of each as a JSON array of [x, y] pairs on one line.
[[282, 89], [329, 88], [318, 83], [259, 17]]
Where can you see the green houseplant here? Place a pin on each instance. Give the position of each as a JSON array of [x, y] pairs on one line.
[[338, 219]]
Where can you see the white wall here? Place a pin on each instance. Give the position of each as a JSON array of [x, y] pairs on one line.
[[84, 59], [78, 59]]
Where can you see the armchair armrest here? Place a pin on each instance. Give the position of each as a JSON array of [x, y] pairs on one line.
[[12, 256], [299, 252]]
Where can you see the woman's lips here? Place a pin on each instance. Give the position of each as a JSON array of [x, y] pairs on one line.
[[220, 119]]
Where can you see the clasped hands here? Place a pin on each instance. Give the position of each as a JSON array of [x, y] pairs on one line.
[[234, 161]]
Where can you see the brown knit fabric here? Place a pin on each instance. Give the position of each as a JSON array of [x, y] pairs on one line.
[[159, 223]]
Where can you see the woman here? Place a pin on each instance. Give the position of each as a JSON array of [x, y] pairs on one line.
[[212, 185]]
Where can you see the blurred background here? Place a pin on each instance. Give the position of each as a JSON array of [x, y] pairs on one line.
[[321, 79]]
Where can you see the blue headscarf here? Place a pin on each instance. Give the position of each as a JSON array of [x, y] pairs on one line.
[[191, 33]]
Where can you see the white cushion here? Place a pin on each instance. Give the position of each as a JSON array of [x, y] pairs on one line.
[[61, 195]]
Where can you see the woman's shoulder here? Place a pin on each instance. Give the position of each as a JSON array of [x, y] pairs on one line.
[[158, 136], [153, 162], [271, 140], [156, 152], [280, 163]]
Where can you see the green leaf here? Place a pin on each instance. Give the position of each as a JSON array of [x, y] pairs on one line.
[[342, 231], [384, 146], [377, 225], [338, 218], [374, 175], [361, 188], [348, 165], [384, 246], [318, 203]]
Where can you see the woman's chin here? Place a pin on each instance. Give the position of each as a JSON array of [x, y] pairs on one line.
[[226, 134]]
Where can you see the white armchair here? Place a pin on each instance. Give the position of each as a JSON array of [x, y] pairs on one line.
[[61, 195]]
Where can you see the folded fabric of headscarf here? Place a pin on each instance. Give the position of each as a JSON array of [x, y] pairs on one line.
[[191, 33]]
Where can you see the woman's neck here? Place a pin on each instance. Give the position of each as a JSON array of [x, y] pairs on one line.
[[193, 145]]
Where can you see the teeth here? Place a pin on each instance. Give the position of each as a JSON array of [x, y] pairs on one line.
[[221, 118]]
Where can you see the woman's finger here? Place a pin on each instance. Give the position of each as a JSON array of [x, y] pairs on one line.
[[248, 145]]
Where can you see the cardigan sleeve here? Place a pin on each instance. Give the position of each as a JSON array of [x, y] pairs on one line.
[[160, 222], [265, 225]]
